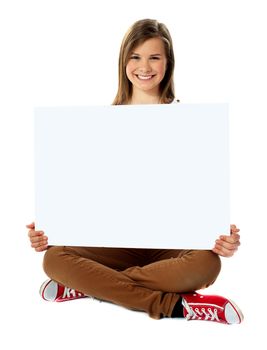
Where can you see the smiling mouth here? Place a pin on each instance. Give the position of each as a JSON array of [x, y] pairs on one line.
[[144, 77]]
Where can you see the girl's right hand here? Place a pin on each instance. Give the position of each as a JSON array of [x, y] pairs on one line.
[[38, 240]]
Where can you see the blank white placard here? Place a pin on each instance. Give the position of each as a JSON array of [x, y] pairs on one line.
[[146, 176]]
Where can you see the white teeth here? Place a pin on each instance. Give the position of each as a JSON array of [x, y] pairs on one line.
[[144, 77]]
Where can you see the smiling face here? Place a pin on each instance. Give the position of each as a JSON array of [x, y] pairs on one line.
[[146, 67]]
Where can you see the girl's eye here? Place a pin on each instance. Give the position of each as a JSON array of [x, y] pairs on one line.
[[134, 57]]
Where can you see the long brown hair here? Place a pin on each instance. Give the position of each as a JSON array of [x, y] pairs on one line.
[[137, 34]]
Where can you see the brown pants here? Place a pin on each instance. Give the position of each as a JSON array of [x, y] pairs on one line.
[[148, 280]]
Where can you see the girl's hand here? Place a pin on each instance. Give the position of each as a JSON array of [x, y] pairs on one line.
[[38, 240], [227, 245]]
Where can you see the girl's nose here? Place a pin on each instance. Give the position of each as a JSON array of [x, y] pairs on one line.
[[145, 66]]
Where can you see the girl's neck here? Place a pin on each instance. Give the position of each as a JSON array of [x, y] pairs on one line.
[[143, 97]]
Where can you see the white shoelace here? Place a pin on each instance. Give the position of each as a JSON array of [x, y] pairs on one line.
[[68, 292], [200, 314], [208, 314]]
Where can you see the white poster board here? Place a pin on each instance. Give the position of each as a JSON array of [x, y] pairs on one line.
[[143, 176]]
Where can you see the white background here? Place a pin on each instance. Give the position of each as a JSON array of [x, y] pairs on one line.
[[65, 53]]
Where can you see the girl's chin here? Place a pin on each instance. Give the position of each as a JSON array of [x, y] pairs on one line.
[[145, 85]]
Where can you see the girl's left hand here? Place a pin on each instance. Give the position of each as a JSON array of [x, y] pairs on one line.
[[225, 245]]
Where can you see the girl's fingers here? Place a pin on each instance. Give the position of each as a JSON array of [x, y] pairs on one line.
[[33, 233], [41, 248], [225, 249], [234, 229], [39, 244], [224, 252], [38, 239], [234, 238], [227, 246], [31, 226]]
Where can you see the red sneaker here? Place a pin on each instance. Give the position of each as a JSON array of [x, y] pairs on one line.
[[52, 291], [210, 308]]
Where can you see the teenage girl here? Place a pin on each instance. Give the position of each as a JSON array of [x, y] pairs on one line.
[[161, 282]]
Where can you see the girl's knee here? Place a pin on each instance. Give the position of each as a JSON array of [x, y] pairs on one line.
[[210, 267], [50, 259], [200, 269]]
